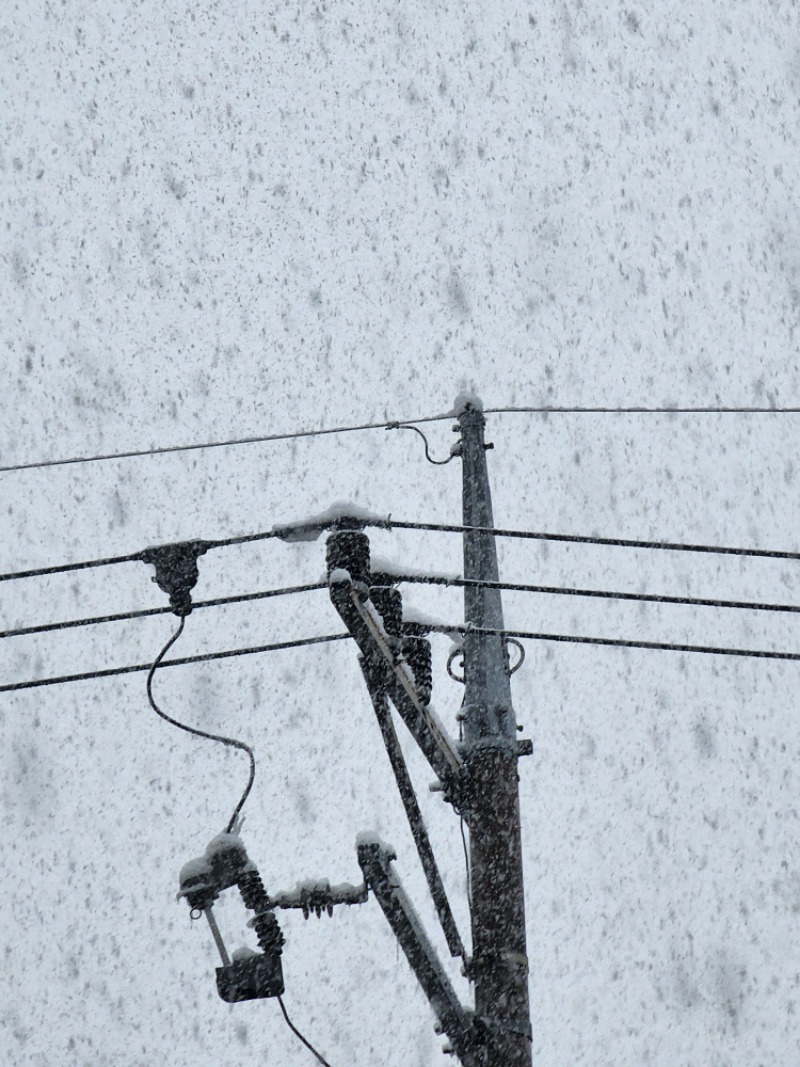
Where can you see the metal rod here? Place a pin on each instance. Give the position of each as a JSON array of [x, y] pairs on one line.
[[212, 922]]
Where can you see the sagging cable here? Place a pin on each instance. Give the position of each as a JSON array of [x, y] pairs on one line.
[[231, 742]]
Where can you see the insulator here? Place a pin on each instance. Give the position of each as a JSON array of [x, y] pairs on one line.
[[348, 550], [389, 605], [228, 858], [417, 652], [270, 938], [254, 895], [197, 884]]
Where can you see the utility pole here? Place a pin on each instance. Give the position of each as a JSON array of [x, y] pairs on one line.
[[490, 751], [478, 776]]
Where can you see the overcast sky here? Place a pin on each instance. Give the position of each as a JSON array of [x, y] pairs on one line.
[[223, 220]]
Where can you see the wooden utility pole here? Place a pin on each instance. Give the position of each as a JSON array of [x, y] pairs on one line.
[[490, 751]]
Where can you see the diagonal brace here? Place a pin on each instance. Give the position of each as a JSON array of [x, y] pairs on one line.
[[456, 1021], [376, 683]]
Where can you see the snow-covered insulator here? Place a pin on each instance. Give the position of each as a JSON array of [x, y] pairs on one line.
[[250, 975], [348, 550], [417, 653], [197, 884], [389, 605]]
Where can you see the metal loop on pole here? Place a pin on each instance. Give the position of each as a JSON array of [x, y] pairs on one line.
[[521, 660], [454, 655]]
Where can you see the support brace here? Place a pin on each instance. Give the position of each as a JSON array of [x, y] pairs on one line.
[[457, 1022]]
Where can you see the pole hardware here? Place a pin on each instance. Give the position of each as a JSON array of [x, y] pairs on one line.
[[249, 975], [465, 1034], [176, 571]]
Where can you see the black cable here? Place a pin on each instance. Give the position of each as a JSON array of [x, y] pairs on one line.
[[550, 409], [145, 613], [655, 598], [285, 532], [62, 567], [216, 444], [419, 579], [297, 1034], [614, 642], [231, 742], [618, 542], [109, 671], [547, 409]]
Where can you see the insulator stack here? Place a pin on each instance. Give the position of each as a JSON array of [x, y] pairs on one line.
[[417, 652], [348, 550], [389, 605], [254, 896]]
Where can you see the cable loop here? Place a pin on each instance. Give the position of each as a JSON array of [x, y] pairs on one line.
[[513, 641], [229, 741], [428, 456], [455, 654]]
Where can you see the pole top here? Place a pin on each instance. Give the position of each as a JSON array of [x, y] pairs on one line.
[[468, 406]]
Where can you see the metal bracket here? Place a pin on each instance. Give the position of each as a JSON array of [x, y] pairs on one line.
[[366, 627]]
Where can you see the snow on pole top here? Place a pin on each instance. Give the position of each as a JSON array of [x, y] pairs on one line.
[[463, 401]]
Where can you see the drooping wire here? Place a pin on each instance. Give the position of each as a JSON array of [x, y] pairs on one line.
[[229, 741], [297, 1034], [428, 456]]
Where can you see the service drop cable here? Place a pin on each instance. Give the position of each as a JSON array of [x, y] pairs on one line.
[[230, 741], [297, 1034]]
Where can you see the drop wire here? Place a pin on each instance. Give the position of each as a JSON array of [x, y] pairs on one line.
[[229, 741]]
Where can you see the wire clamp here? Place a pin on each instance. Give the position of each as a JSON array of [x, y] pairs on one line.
[[176, 571]]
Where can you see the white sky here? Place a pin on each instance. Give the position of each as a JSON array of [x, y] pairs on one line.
[[230, 219]]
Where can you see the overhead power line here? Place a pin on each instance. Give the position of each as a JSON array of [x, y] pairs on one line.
[[289, 531], [614, 642], [614, 542], [232, 442], [545, 409], [611, 642], [146, 612], [603, 594], [109, 671], [417, 579]]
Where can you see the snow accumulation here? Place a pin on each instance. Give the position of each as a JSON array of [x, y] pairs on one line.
[[309, 529], [463, 401], [382, 565], [369, 837]]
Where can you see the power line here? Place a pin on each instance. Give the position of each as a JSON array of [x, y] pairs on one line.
[[214, 444], [614, 542], [418, 579], [613, 642], [146, 612], [546, 409], [109, 671], [604, 594], [290, 531], [551, 409]]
